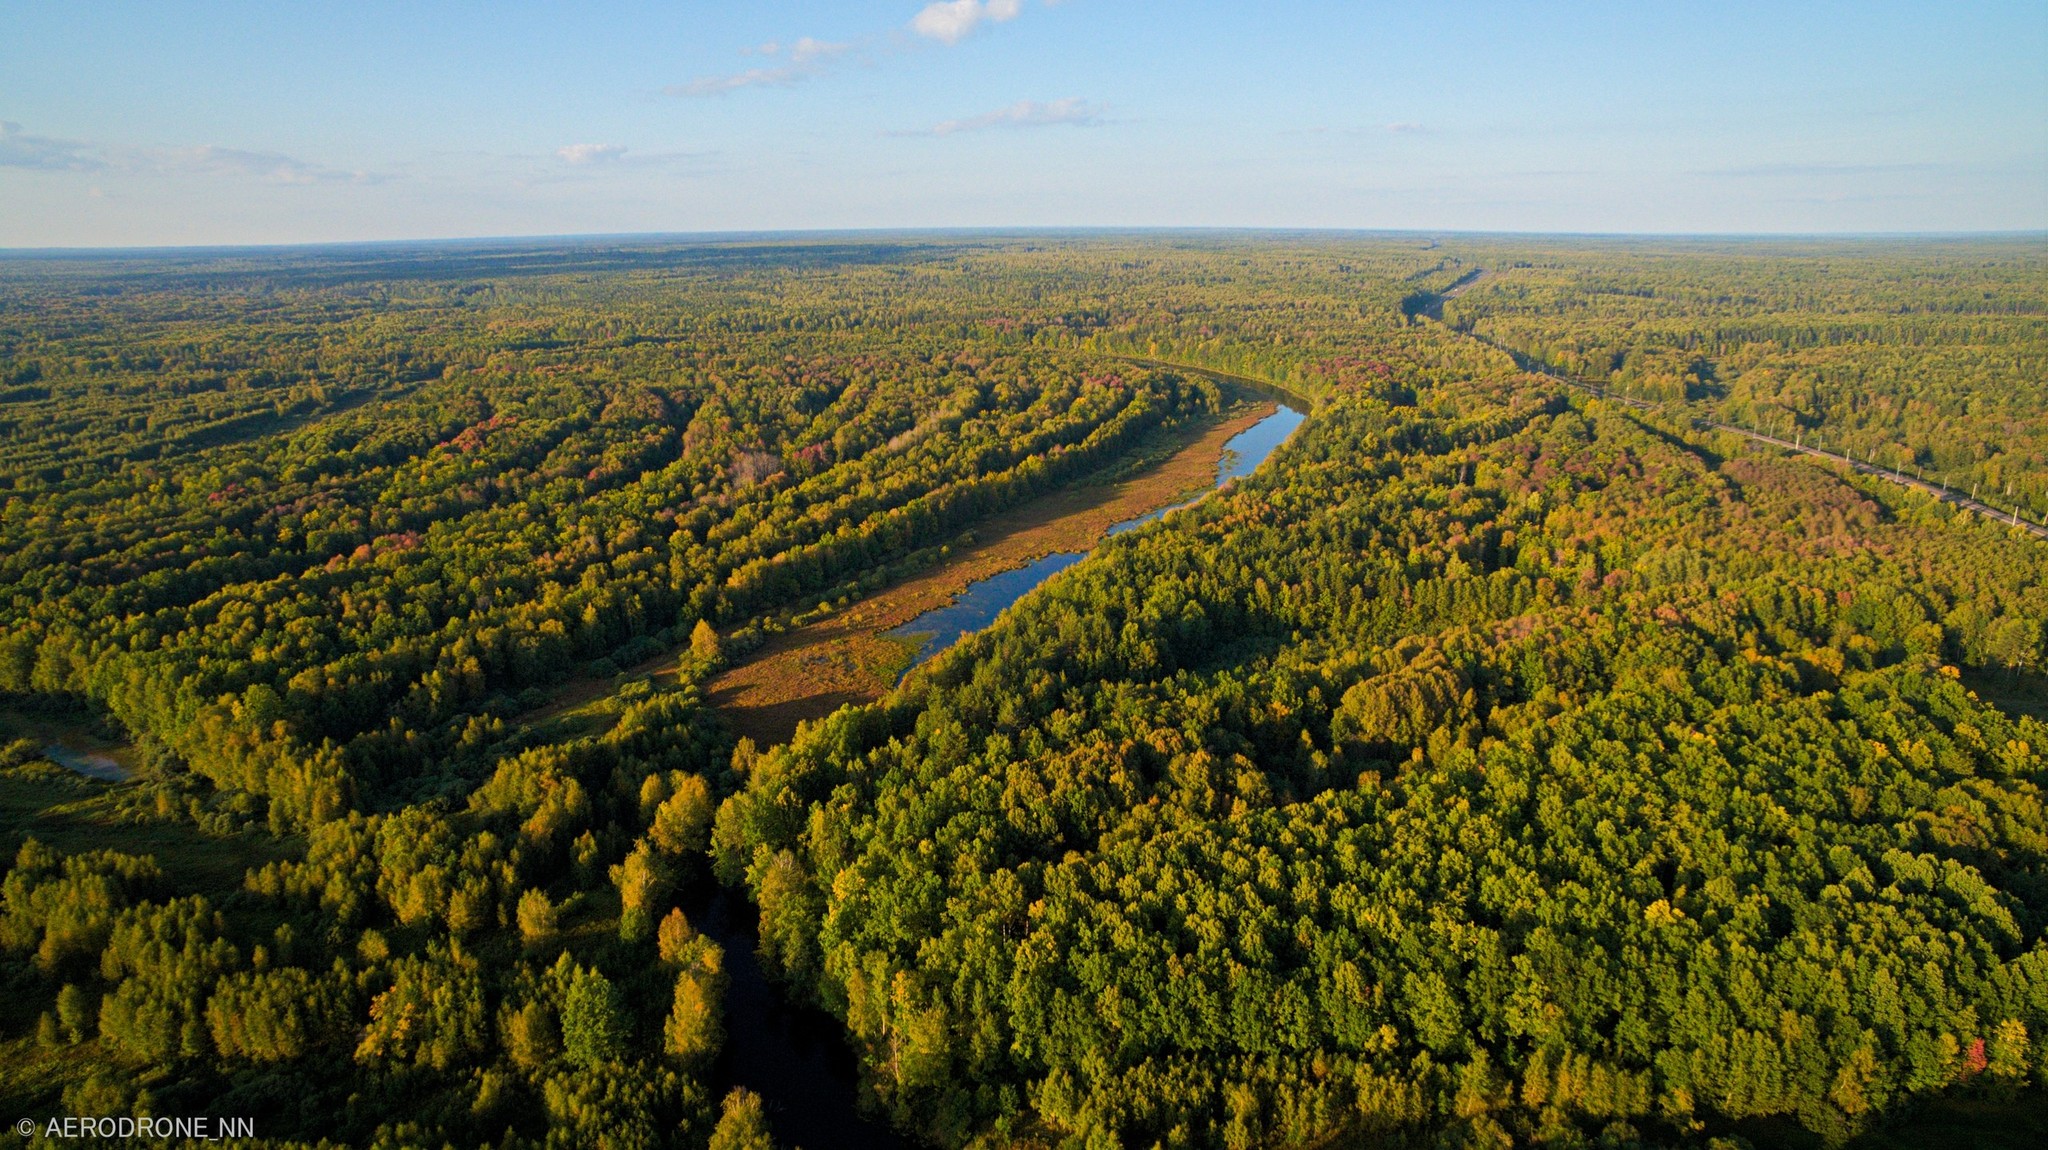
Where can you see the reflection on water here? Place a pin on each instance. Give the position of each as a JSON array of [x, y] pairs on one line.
[[1241, 456], [1250, 447], [795, 1058], [1149, 516], [92, 766], [979, 605]]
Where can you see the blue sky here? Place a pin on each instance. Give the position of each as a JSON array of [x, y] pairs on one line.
[[172, 123]]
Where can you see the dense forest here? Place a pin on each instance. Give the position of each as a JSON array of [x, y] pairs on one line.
[[1929, 361], [1497, 764]]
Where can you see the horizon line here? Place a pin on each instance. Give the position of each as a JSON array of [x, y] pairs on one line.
[[733, 234]]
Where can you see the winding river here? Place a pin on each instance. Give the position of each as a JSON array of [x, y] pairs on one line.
[[796, 1058], [981, 602]]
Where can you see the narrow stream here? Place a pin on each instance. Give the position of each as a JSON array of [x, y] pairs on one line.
[[796, 1058]]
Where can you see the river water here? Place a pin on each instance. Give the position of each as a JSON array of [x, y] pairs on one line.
[[979, 605], [796, 1058], [981, 602], [88, 763]]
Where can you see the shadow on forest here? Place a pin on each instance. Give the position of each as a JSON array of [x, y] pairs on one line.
[[2016, 692], [772, 724], [2018, 1122], [1713, 460]]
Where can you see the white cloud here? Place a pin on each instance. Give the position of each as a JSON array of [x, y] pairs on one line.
[[19, 149], [591, 153], [274, 167], [592, 158], [807, 49], [807, 58], [950, 21], [1022, 114], [734, 81]]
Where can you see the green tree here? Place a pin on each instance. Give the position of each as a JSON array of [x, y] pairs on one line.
[[644, 880], [742, 1123], [704, 643], [75, 1012], [682, 823], [595, 1026], [694, 1028], [537, 917]]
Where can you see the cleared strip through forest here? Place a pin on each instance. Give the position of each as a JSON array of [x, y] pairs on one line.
[[1943, 492]]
